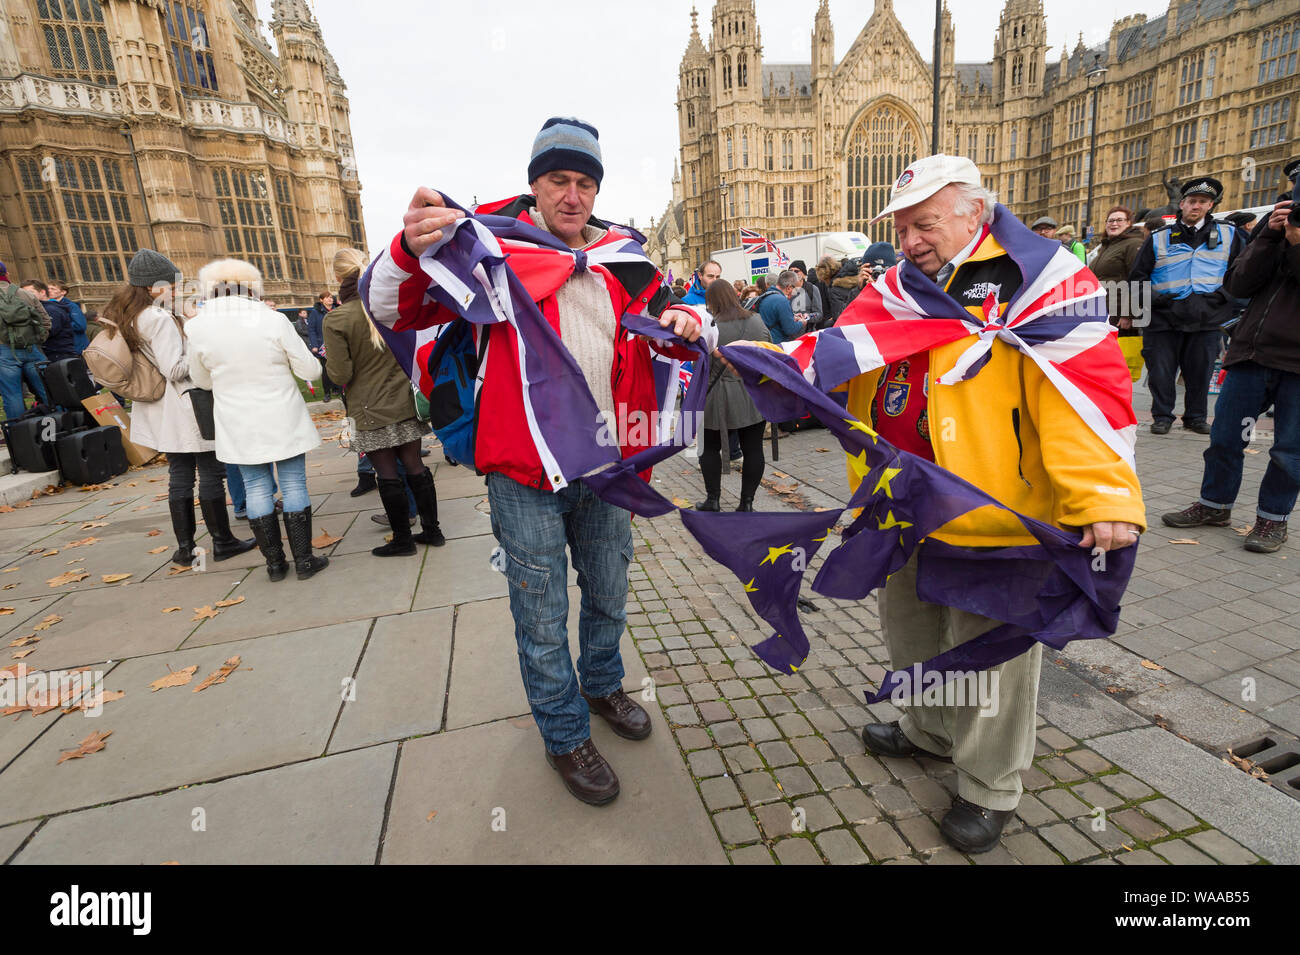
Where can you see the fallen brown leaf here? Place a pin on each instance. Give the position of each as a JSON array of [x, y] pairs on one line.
[[113, 578], [6, 509], [205, 613], [158, 550], [89, 524], [1152, 666], [679, 502], [1251, 450], [219, 675], [9, 570], [429, 817], [324, 539], [91, 744], [6, 611], [1242, 531], [105, 696], [229, 603], [1183, 540], [71, 577], [175, 678], [8, 587], [153, 533], [96, 487], [178, 570], [170, 609], [84, 542], [23, 641], [48, 622], [22, 653], [75, 560], [821, 450]]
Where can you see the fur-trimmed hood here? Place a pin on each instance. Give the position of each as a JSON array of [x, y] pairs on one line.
[[235, 275]]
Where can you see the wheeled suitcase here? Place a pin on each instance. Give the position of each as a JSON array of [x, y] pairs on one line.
[[91, 456], [67, 382]]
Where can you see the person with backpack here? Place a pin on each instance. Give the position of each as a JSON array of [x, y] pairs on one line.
[[155, 335], [61, 342], [248, 355], [773, 306], [59, 293], [24, 325], [583, 276], [377, 395]]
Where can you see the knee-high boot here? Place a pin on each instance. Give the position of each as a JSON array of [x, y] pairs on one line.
[[426, 503]]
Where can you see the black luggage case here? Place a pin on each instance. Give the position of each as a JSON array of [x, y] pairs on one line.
[[67, 382]]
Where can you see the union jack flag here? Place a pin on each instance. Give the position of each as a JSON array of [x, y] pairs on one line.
[[752, 242]]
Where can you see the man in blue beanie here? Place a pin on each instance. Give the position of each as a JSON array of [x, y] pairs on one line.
[[538, 518]]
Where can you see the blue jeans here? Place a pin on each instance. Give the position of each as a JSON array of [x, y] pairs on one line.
[[1248, 389], [259, 484], [533, 528], [15, 367], [365, 467], [235, 485]]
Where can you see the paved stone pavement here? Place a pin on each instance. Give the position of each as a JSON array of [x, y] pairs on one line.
[[376, 713]]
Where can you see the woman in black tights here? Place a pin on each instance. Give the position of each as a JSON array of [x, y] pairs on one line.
[[728, 406]]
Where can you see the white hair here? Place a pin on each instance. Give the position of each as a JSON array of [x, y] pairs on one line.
[[965, 202], [227, 276]]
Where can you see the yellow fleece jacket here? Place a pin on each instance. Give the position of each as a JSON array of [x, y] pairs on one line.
[[1010, 432]]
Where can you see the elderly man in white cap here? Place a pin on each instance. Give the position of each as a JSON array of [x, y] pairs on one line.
[[1009, 431]]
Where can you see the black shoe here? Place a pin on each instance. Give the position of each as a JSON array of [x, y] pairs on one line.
[[888, 739], [1161, 427], [746, 503], [426, 504], [224, 544], [1200, 427], [382, 519], [365, 484], [266, 530], [586, 774], [710, 503], [1198, 515], [297, 525], [625, 717], [971, 828], [1266, 536], [183, 526], [393, 493]]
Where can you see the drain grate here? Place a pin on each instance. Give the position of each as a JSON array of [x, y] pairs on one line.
[[1277, 756]]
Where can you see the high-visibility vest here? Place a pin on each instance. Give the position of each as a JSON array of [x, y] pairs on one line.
[[1181, 270]]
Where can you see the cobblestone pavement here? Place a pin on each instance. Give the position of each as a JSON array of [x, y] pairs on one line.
[[778, 759]]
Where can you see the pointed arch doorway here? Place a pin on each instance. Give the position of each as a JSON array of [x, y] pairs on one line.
[[883, 142]]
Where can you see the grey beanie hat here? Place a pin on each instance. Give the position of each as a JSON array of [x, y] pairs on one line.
[[566, 143], [148, 268]]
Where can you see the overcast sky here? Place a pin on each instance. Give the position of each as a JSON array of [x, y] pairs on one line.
[[451, 94]]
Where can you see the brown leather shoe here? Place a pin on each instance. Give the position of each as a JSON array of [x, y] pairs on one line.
[[586, 774], [625, 717]]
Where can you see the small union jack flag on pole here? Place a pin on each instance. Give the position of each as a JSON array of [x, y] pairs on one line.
[[752, 242]]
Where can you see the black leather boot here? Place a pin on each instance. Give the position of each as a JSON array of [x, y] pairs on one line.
[[297, 525], [393, 494], [971, 828], [746, 503], [224, 543], [426, 502], [365, 484], [711, 502], [183, 525], [267, 531]]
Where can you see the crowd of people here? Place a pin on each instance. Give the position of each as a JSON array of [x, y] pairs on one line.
[[1046, 463]]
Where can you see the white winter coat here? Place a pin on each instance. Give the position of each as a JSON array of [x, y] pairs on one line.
[[168, 424], [248, 354]]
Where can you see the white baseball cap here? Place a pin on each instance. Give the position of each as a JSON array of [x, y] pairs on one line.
[[927, 176]]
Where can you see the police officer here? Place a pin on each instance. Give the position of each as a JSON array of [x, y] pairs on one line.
[[1185, 263]]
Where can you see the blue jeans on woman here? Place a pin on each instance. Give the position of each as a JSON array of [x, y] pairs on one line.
[[1248, 389], [259, 484], [16, 367], [235, 485], [534, 527]]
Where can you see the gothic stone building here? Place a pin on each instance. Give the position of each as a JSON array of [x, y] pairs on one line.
[[241, 151], [1208, 88]]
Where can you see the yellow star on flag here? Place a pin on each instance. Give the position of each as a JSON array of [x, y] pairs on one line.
[[887, 475], [856, 425], [818, 540], [773, 553], [858, 465], [889, 522], [749, 587]]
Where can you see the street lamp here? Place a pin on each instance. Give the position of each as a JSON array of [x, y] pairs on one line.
[[1098, 72], [722, 191], [125, 130]]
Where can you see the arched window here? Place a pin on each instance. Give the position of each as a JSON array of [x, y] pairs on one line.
[[76, 41], [787, 152], [730, 164], [187, 31], [690, 115], [744, 151], [1013, 143], [726, 72], [767, 153], [742, 70], [882, 145], [807, 152]]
